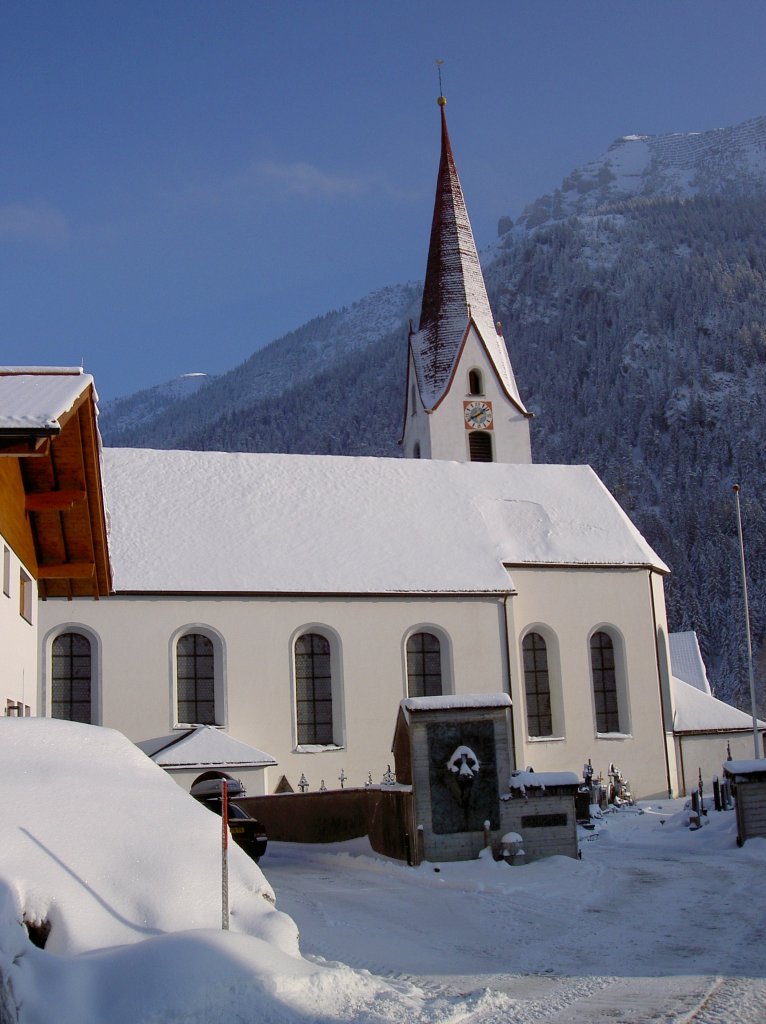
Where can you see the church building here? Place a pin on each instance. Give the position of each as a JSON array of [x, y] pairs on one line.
[[269, 613]]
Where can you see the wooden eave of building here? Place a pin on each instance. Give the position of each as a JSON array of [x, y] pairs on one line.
[[64, 504]]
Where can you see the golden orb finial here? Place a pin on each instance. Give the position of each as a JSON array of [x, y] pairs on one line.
[[442, 101]]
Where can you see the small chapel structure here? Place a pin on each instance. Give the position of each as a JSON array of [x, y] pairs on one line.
[[290, 603]]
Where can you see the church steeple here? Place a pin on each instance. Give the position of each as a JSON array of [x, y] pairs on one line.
[[455, 307]]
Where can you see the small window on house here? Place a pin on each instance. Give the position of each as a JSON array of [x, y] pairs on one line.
[[313, 690], [25, 596], [424, 666], [604, 683], [13, 709], [6, 571], [475, 384], [537, 685], [195, 679], [71, 678], [480, 446]]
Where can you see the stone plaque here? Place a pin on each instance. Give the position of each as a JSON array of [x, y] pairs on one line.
[[463, 776]]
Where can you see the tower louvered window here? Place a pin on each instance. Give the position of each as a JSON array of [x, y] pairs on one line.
[[71, 678], [313, 689], [480, 446]]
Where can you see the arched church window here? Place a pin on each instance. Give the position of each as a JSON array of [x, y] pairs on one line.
[[195, 679], [537, 685], [313, 689], [475, 384], [604, 673], [424, 666], [71, 678], [416, 450], [480, 446]]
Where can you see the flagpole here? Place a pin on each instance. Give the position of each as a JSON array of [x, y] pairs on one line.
[[747, 622]]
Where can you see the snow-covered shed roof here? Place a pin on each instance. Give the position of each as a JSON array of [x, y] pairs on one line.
[[686, 660], [34, 398], [752, 767], [454, 293], [207, 747], [215, 522], [457, 701], [697, 712]]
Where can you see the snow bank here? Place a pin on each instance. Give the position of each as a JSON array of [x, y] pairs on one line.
[[103, 849]]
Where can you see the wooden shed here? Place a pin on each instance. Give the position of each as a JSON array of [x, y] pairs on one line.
[[748, 780]]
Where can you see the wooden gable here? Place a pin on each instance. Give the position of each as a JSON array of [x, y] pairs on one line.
[[61, 534]]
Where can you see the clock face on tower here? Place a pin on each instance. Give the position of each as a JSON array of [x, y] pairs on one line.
[[477, 415]]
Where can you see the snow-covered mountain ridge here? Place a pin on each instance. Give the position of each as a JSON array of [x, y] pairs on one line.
[[727, 162], [161, 417]]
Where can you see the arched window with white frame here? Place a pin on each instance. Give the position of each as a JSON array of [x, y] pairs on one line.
[[198, 660], [72, 678], [314, 690], [537, 687], [609, 696], [424, 665]]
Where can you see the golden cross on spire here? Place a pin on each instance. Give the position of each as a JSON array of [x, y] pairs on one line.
[[441, 100]]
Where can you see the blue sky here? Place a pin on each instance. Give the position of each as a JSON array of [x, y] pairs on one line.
[[182, 181]]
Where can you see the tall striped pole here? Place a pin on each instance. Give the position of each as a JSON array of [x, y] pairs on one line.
[[224, 856], [747, 623]]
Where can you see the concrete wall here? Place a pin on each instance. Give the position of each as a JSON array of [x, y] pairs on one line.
[[552, 839], [707, 752]]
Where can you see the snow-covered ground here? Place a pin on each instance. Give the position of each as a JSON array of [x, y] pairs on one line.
[[655, 923]]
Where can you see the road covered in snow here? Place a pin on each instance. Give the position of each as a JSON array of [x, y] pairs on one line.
[[655, 923]]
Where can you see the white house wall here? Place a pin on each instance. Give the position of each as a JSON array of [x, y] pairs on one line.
[[134, 639], [705, 753], [566, 607], [18, 635]]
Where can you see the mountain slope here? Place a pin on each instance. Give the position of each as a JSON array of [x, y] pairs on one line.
[[728, 162]]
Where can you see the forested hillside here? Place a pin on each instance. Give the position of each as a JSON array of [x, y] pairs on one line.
[[639, 339]]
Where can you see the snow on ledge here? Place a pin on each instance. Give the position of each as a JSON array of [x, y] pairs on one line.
[[457, 701], [745, 767], [541, 780]]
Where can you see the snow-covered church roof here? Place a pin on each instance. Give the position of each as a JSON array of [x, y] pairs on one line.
[[216, 522], [454, 293], [695, 711], [686, 659]]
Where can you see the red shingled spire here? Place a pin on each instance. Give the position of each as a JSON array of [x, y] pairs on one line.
[[454, 293], [453, 275]]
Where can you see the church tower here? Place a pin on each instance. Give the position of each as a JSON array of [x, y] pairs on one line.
[[462, 402]]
